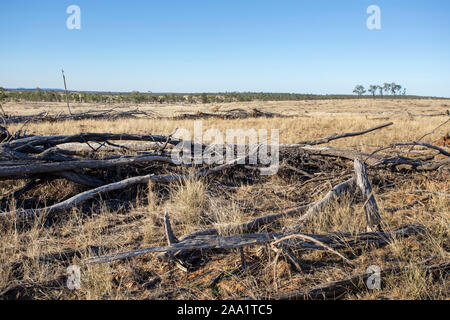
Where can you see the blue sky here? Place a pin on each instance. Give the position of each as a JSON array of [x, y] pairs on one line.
[[320, 46]]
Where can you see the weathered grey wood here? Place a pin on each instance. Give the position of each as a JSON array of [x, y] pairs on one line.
[[334, 152], [344, 135], [244, 240], [110, 114], [82, 197], [246, 227], [134, 146], [423, 144], [413, 144], [171, 238], [434, 165], [370, 205], [23, 171], [51, 141], [326, 201]]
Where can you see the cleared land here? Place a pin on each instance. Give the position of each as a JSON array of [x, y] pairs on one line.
[[34, 255]]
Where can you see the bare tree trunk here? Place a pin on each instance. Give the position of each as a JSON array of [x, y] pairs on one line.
[[370, 205], [65, 88]]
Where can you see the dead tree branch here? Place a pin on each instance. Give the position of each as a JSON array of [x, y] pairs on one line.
[[336, 136]]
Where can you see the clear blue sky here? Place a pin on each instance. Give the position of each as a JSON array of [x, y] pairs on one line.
[[320, 46]]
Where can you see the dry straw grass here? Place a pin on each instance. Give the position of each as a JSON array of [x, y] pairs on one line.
[[197, 204]]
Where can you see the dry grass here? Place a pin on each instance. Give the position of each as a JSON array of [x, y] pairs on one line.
[[28, 271]]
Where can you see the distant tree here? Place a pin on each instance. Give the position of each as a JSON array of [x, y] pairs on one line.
[[373, 89], [137, 97], [204, 98], [380, 89], [387, 87], [359, 90], [397, 89], [51, 96], [37, 95], [393, 88], [404, 91]]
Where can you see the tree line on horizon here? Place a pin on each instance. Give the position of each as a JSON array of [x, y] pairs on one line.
[[40, 95], [384, 89]]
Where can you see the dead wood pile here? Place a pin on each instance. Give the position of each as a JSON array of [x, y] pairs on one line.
[[104, 163], [108, 114], [229, 115], [116, 113]]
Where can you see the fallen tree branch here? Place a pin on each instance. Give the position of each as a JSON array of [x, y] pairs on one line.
[[110, 114], [23, 171], [344, 135], [51, 141], [329, 197], [244, 240], [414, 143], [82, 197]]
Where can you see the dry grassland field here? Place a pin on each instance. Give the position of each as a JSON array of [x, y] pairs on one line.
[[36, 251]]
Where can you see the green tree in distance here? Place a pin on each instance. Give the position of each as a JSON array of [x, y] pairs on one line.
[[359, 90], [373, 89], [204, 98], [397, 88], [2, 94], [387, 87]]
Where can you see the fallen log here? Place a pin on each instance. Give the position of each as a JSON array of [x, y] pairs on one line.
[[252, 225], [110, 114], [245, 240], [82, 197], [23, 171], [51, 141], [136, 146], [246, 227]]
